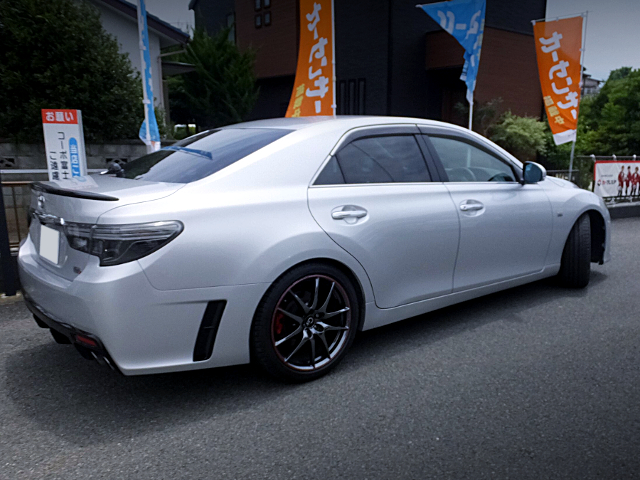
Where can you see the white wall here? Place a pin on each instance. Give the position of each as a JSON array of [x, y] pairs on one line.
[[125, 29]]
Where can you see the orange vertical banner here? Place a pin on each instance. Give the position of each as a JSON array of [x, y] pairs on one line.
[[558, 49], [314, 89]]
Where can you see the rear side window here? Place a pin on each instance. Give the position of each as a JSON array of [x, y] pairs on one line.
[[465, 162], [202, 155], [383, 159]]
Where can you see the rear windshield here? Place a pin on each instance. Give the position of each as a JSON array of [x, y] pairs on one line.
[[201, 155]]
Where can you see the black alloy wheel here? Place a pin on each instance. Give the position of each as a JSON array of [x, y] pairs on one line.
[[305, 323]]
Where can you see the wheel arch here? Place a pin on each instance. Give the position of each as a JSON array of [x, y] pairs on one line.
[[598, 236], [351, 275]]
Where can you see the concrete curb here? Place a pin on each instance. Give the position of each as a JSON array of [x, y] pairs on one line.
[[4, 300], [624, 210]]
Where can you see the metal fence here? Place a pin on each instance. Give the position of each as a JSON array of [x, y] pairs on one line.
[[16, 192], [17, 196]]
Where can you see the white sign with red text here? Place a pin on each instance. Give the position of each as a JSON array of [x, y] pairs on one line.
[[617, 179], [64, 144]]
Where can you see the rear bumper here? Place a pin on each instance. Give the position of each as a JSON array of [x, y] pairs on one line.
[[74, 335], [140, 329]]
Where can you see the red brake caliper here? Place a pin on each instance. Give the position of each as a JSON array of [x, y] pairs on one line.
[[278, 324]]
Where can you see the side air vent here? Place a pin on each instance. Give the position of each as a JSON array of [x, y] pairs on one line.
[[208, 330]]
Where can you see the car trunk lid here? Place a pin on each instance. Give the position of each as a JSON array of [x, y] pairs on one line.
[[56, 204]]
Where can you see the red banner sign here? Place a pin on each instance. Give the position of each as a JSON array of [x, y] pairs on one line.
[[314, 90], [558, 49], [60, 116]]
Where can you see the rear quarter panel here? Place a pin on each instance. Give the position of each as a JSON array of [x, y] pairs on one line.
[[246, 224]]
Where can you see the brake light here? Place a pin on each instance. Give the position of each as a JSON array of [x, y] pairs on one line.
[[117, 244], [86, 341]]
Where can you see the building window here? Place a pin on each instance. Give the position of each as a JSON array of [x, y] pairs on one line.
[[267, 3], [258, 21], [231, 23], [267, 19], [258, 5], [351, 97]]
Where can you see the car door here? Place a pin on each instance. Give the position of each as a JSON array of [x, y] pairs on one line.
[[505, 227], [375, 198]]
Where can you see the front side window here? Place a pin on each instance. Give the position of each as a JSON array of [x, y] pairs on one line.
[[465, 162], [201, 155], [382, 159]]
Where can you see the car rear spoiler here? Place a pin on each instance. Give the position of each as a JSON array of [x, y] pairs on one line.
[[54, 189]]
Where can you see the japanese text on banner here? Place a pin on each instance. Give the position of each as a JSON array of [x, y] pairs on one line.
[[64, 143], [558, 49], [313, 87]]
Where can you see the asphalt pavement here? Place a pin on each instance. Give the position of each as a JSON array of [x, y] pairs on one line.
[[534, 382]]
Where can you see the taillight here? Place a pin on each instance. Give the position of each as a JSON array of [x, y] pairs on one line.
[[117, 244]]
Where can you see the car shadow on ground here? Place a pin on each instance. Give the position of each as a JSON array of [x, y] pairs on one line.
[[88, 404]]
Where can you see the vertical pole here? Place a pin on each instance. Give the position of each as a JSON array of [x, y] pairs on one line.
[[573, 147], [8, 272], [334, 106], [582, 54], [471, 115]]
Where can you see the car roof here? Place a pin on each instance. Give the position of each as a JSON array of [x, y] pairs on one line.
[[345, 122], [342, 124]]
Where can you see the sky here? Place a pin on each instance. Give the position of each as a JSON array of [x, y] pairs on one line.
[[175, 12], [613, 32]]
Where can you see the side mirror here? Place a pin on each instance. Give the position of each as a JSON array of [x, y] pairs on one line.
[[534, 172]]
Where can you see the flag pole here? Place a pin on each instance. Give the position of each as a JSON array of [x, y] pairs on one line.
[[334, 106], [582, 55], [471, 114]]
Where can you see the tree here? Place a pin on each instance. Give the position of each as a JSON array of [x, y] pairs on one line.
[[612, 117], [55, 54], [523, 137], [485, 114], [221, 90]]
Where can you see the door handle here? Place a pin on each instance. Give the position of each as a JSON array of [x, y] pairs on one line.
[[469, 207], [342, 214]]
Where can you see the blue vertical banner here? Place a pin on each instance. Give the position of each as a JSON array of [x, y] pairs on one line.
[[464, 19], [149, 133]]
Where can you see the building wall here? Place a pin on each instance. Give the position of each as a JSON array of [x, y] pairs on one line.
[[508, 69], [400, 59], [212, 14], [276, 44], [409, 89], [514, 15], [362, 50], [125, 30], [274, 96]]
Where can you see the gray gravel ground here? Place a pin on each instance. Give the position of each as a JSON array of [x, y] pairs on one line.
[[536, 382]]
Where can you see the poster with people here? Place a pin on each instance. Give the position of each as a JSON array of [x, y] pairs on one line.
[[617, 179]]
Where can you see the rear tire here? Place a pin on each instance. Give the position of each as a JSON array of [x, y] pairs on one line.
[[575, 268], [305, 323]]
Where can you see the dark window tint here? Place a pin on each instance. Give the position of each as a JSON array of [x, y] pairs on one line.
[[201, 155], [331, 174], [465, 162], [383, 160]]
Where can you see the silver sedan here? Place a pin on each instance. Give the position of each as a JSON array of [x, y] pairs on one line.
[[276, 241]]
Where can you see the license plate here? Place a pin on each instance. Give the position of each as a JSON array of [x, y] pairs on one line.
[[49, 244]]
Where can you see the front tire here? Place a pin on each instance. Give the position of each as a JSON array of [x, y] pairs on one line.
[[575, 268], [305, 323]]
